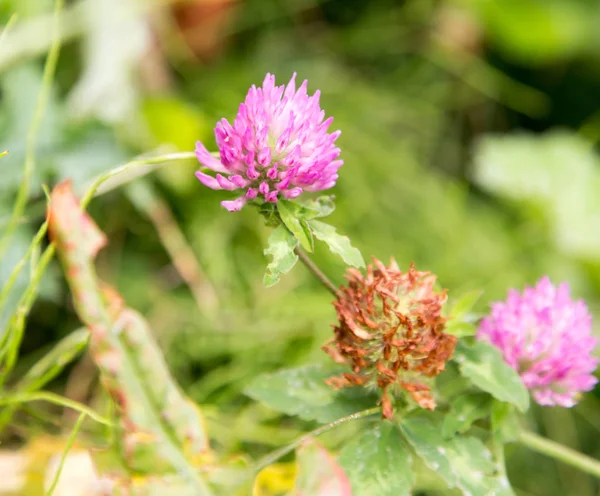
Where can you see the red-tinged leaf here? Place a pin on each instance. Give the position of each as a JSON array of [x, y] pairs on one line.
[[160, 433], [78, 240], [70, 227], [319, 474]]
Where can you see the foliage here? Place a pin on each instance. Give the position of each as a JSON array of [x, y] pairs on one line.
[[453, 159]]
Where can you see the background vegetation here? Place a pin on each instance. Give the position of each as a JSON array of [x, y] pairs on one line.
[[470, 137]]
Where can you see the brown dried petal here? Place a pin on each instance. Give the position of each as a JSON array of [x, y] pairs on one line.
[[404, 317]]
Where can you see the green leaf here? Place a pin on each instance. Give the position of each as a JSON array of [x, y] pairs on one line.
[[318, 473], [505, 421], [484, 365], [466, 409], [303, 392], [281, 247], [298, 227], [338, 244], [451, 383], [472, 463], [460, 321], [465, 304], [463, 462], [322, 206], [499, 486], [379, 462], [429, 444], [269, 213], [311, 209], [460, 329]]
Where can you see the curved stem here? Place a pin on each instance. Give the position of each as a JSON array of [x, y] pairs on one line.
[[137, 163], [560, 452], [57, 400], [32, 134], [277, 454], [318, 273], [63, 458]]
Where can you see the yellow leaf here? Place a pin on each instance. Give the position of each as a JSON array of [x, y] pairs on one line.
[[275, 480]]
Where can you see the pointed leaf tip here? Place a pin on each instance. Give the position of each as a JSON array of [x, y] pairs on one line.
[[69, 225]]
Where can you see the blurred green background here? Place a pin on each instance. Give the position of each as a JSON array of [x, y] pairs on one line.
[[470, 133]]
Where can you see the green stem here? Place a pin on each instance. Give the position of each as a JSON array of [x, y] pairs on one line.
[[40, 108], [281, 452], [9, 347], [140, 162], [12, 279], [318, 273], [560, 452], [58, 400], [63, 458]]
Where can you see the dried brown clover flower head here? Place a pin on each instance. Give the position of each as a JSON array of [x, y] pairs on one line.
[[390, 332]]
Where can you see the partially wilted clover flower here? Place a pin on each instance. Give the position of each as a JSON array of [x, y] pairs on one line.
[[546, 337], [278, 146], [390, 332]]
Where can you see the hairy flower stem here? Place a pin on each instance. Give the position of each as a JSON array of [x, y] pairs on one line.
[[281, 452], [560, 453], [318, 273]]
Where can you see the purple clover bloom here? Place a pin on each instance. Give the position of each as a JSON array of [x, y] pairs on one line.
[[546, 337], [278, 146]]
